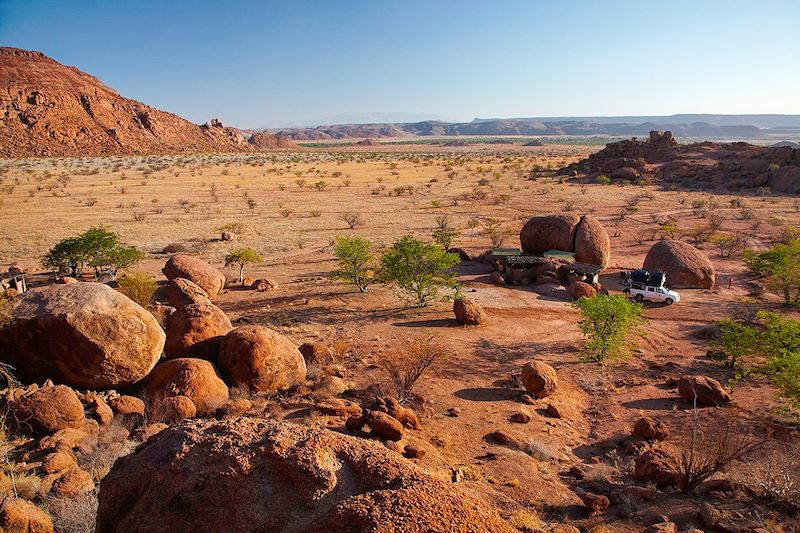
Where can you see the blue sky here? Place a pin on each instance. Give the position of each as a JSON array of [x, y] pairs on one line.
[[255, 63]]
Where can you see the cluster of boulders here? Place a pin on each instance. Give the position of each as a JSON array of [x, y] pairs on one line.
[[734, 166], [91, 337], [583, 235]]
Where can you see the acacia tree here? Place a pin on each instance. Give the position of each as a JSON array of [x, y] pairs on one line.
[[420, 270], [781, 266], [356, 261], [608, 321], [242, 256], [98, 247]]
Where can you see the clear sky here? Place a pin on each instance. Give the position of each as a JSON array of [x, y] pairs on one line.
[[256, 63]]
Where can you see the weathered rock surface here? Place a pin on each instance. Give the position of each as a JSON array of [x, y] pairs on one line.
[[83, 334], [686, 267], [278, 476], [21, 516], [261, 360], [196, 379], [708, 392], [48, 410], [205, 276], [468, 312], [585, 236], [539, 379], [196, 330]]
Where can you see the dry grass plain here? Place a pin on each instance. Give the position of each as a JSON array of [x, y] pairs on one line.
[[156, 201]]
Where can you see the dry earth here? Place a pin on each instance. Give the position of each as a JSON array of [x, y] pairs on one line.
[[157, 201]]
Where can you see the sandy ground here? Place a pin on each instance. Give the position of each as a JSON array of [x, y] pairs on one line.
[[599, 403]]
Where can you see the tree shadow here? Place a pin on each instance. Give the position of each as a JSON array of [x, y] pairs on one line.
[[431, 323]]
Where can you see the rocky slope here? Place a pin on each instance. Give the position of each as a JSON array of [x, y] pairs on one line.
[[733, 166], [48, 109]]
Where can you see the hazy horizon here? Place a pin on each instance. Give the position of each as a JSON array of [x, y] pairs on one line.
[[270, 64]]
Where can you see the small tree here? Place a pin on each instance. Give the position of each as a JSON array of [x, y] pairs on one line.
[[406, 364], [242, 256], [781, 265], [444, 234], [737, 340], [97, 247], [419, 269], [356, 261], [608, 321]]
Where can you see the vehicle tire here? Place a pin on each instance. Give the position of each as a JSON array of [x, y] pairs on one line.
[[669, 301], [626, 291], [639, 298]]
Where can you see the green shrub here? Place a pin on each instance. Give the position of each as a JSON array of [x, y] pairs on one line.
[[356, 261], [607, 323], [781, 266], [138, 286], [420, 270], [603, 180], [444, 234]]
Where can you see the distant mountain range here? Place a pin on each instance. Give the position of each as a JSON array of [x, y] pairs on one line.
[[700, 126]]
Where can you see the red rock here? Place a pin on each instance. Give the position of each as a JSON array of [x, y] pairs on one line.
[[173, 409], [592, 244], [706, 391], [658, 467], [579, 289], [497, 278], [261, 360], [520, 418], [48, 410], [85, 334], [596, 504], [71, 482], [196, 330], [313, 479], [651, 428], [194, 378], [384, 425], [316, 353], [21, 516], [554, 411], [127, 406], [61, 111], [208, 278], [468, 312], [539, 379], [552, 232], [685, 266]]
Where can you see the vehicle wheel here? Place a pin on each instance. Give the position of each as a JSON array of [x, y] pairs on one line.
[[626, 291], [669, 301], [639, 298]]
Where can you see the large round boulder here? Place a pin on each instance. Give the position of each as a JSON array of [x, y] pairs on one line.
[[179, 292], [196, 330], [592, 244], [47, 410], [196, 379], [580, 289], [195, 270], [21, 516], [86, 335], [278, 476], [260, 360], [551, 232], [686, 267]]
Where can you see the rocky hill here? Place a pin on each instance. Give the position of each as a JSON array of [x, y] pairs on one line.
[[48, 109], [736, 165], [498, 127]]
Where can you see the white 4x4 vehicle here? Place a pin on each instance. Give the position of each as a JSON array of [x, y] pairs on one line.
[[653, 294]]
